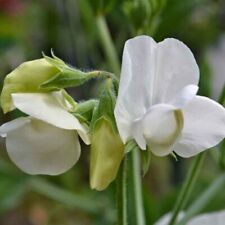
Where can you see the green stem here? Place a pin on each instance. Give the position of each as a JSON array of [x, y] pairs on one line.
[[187, 187], [122, 194], [107, 43], [136, 172], [206, 197]]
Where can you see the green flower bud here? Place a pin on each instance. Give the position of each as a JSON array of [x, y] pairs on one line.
[[107, 151], [26, 78]]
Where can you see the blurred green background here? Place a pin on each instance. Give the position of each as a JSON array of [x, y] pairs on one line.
[[90, 34]]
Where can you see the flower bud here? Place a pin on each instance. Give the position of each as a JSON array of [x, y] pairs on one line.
[[26, 78], [107, 151], [41, 75]]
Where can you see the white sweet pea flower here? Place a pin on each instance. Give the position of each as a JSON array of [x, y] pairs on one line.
[[45, 142], [213, 218], [157, 103]]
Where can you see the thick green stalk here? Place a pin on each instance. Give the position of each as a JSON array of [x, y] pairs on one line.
[[208, 195], [107, 44], [137, 185], [187, 188], [122, 194]]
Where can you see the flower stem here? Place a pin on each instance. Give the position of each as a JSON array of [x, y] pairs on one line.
[[187, 187], [107, 43], [136, 172], [122, 194]]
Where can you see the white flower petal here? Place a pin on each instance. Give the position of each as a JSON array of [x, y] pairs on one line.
[[175, 68], [184, 96], [215, 218], [162, 127], [84, 134], [40, 148], [204, 126], [135, 83], [62, 100], [137, 134], [48, 108], [152, 73], [12, 125]]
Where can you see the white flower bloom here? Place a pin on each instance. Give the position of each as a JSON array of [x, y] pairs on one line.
[[215, 218], [157, 103], [45, 142]]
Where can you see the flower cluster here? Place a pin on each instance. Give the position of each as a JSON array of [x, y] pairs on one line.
[[156, 106]]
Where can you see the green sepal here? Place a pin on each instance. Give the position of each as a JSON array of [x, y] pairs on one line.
[[69, 99], [84, 110], [131, 145], [174, 155], [68, 77], [55, 61], [106, 105]]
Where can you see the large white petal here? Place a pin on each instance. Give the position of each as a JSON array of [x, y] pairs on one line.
[[85, 134], [184, 96], [12, 125], [204, 126], [175, 68], [161, 127], [48, 108], [137, 133], [62, 100], [40, 148], [151, 74], [135, 83]]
